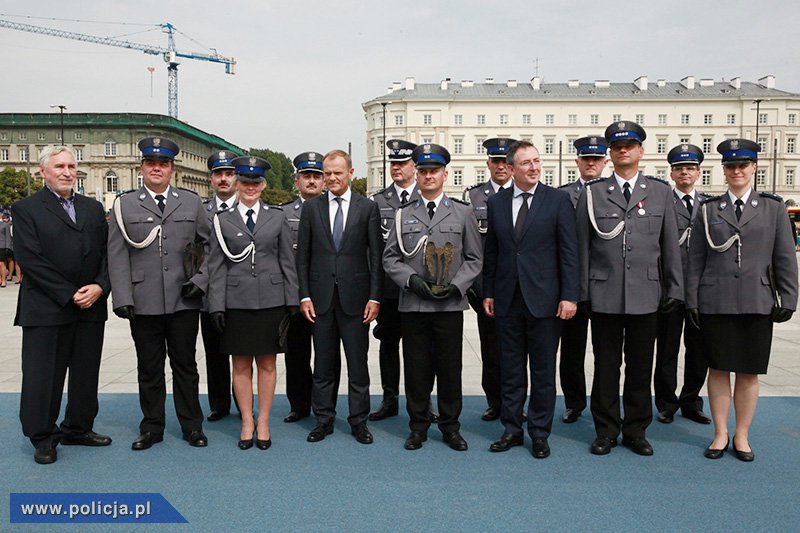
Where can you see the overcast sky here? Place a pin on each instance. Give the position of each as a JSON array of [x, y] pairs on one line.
[[305, 67]]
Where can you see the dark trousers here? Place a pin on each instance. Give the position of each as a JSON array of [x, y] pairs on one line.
[[298, 365], [571, 367], [613, 335], [490, 359], [389, 332], [329, 329], [155, 337], [432, 350], [47, 353], [527, 340], [218, 367], [665, 378]]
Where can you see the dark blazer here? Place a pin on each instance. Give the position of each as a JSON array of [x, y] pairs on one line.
[[59, 257], [356, 268], [544, 262]]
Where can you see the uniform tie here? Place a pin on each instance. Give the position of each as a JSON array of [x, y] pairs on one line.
[[626, 191], [687, 199], [160, 199], [404, 196], [223, 206], [739, 204], [338, 225], [519, 225], [431, 209], [251, 224]]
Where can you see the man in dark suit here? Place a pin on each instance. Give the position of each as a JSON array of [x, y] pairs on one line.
[[61, 243], [339, 268], [530, 284]]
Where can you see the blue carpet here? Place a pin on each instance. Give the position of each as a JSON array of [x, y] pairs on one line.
[[340, 485]]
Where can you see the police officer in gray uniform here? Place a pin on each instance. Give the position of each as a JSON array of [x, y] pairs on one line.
[[153, 232], [401, 191], [434, 253], [591, 160], [630, 268], [477, 196], [309, 182], [685, 160]]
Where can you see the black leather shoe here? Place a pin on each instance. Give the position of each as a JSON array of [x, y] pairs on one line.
[[294, 416], [361, 433], [214, 416], [45, 455], [742, 455], [145, 440], [196, 438], [455, 440], [639, 446], [491, 413], [506, 442], [571, 416], [385, 410], [319, 433], [263, 444], [603, 445], [540, 448], [87, 439], [696, 416], [665, 417], [245, 444], [415, 440], [712, 453]]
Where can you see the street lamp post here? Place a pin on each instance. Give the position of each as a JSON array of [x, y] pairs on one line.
[[383, 145], [61, 109], [757, 101]]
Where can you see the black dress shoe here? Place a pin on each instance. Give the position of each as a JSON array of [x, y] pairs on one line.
[[665, 417], [361, 433], [455, 440], [87, 439], [639, 446], [145, 440], [742, 455], [214, 416], [506, 442], [491, 413], [385, 410], [712, 453], [415, 440], [263, 444], [196, 438], [540, 448], [246, 444], [696, 416], [603, 445], [294, 416], [571, 416], [45, 455], [319, 433]]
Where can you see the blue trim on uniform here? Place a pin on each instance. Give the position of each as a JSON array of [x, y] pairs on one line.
[[739, 154], [159, 151], [684, 157], [221, 163], [626, 136], [250, 171], [498, 150], [592, 149], [432, 157], [316, 165]]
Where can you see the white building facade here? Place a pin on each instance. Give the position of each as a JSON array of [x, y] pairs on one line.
[[704, 112]]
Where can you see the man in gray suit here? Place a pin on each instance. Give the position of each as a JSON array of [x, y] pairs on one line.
[[150, 231], [630, 268], [339, 269], [434, 245]]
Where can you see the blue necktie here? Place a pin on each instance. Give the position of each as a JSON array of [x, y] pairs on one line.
[[251, 224], [338, 225]]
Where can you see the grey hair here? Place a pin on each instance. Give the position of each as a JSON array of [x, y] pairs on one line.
[[50, 151]]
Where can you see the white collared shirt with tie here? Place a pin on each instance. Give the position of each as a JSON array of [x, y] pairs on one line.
[[243, 209], [333, 206], [516, 202]]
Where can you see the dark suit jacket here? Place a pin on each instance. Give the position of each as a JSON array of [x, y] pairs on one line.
[[544, 262], [356, 268], [59, 257]]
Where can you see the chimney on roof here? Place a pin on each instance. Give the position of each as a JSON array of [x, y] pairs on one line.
[[598, 84], [396, 86], [688, 82], [706, 82], [573, 84], [536, 83], [641, 83], [409, 84], [443, 85], [489, 81], [661, 83], [511, 83], [467, 83], [768, 81], [390, 90], [736, 82]]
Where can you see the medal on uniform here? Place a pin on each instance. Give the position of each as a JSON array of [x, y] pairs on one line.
[[754, 203], [641, 210]]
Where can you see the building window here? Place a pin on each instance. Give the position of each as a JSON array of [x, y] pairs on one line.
[[661, 173], [110, 149], [662, 120], [78, 135], [708, 119], [684, 120], [661, 146], [548, 176], [761, 178], [762, 118], [42, 136], [80, 186], [379, 121], [790, 144], [139, 181], [23, 136], [594, 120], [572, 175], [573, 120], [640, 119], [504, 120], [381, 146], [23, 154], [426, 140], [706, 177], [480, 175], [571, 147], [458, 177], [427, 119], [707, 145], [616, 117], [3, 136], [458, 120], [3, 154], [685, 140], [398, 120], [479, 149], [112, 182], [58, 136], [762, 142], [549, 119], [481, 120], [792, 120], [731, 119], [458, 146], [78, 154], [548, 145], [526, 120], [790, 177]]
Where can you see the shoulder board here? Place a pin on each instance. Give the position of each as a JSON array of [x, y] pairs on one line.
[[707, 199], [126, 192], [653, 178], [770, 196], [456, 200], [702, 195], [474, 186], [187, 190], [564, 186], [290, 202], [408, 203], [596, 180]]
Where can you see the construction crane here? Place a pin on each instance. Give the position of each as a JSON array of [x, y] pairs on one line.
[[170, 54]]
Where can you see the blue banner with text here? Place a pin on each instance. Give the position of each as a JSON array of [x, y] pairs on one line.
[[92, 508]]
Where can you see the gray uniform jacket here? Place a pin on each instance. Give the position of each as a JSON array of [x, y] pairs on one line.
[[631, 279], [574, 190], [716, 282], [388, 203], [684, 219], [210, 207], [267, 280], [150, 278], [452, 222], [478, 197], [5, 235], [291, 212]]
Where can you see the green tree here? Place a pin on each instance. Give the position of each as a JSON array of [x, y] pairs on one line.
[[280, 175], [359, 185], [14, 185], [276, 196]]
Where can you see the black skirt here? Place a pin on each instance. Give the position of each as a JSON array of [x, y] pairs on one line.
[[251, 331], [737, 343]]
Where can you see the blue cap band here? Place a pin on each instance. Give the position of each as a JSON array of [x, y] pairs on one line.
[[221, 163], [309, 165], [432, 157], [626, 136], [739, 154], [250, 171], [499, 150], [158, 151], [685, 157], [592, 149]]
